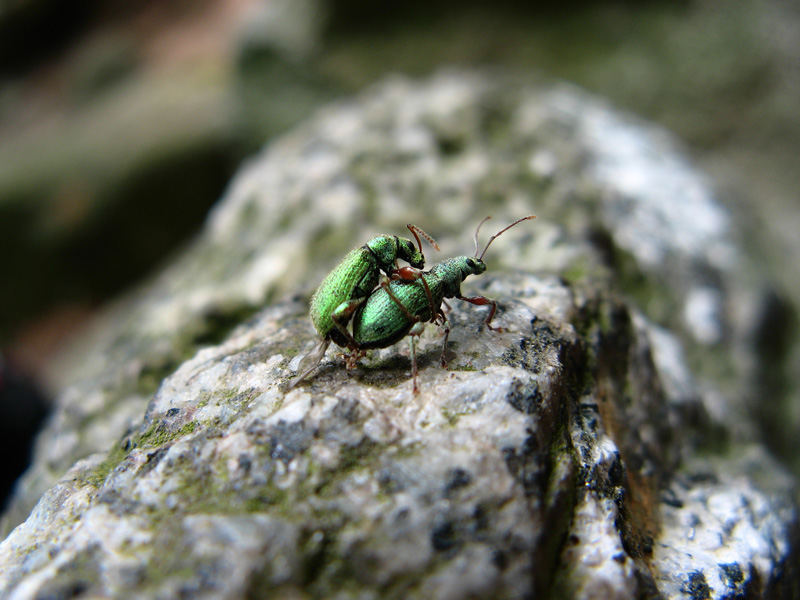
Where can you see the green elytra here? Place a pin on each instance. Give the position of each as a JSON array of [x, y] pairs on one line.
[[389, 314], [402, 307], [350, 283], [353, 280]]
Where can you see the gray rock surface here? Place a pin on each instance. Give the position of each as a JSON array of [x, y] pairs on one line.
[[580, 453]]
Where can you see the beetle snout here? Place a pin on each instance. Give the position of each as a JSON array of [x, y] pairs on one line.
[[476, 265]]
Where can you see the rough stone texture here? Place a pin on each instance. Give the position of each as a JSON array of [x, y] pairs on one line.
[[579, 453]]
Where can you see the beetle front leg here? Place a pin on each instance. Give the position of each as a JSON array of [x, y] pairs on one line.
[[483, 301], [406, 274]]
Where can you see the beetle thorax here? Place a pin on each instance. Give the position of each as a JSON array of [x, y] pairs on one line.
[[388, 248], [384, 248], [455, 270]]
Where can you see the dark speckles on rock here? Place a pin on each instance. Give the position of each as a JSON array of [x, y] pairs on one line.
[[533, 349], [525, 397], [732, 574], [289, 439], [347, 409], [402, 515], [173, 412], [241, 397], [526, 466], [481, 517], [456, 478], [499, 559], [391, 480], [245, 463], [258, 430], [153, 458], [589, 415], [646, 543], [697, 586], [703, 477], [118, 503], [670, 498], [616, 471], [443, 536], [72, 589]]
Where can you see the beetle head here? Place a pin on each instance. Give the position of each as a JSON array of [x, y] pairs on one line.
[[409, 253], [388, 248], [473, 266]]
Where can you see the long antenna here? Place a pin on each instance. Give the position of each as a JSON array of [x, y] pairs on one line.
[[477, 229], [418, 232], [496, 235]]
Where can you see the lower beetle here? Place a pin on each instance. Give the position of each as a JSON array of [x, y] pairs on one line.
[[402, 307]]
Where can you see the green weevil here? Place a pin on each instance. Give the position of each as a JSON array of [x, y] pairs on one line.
[[402, 307], [349, 284]]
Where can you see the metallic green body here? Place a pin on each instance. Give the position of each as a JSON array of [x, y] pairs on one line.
[[383, 315], [381, 321], [353, 280]]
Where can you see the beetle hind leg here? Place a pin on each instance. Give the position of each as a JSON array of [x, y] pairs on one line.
[[413, 334], [310, 362]]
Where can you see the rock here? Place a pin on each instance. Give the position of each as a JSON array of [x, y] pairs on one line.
[[578, 453]]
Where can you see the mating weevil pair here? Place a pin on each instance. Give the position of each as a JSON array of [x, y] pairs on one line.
[[383, 315]]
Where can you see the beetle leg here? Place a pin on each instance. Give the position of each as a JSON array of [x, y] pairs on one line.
[[482, 301], [428, 295], [342, 315], [446, 324], [412, 274], [413, 334], [352, 358], [314, 357], [406, 274], [409, 316]]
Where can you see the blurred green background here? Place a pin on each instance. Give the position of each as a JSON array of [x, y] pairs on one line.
[[121, 123]]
